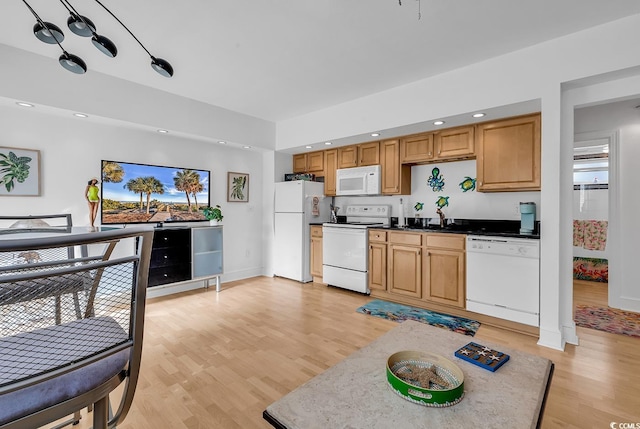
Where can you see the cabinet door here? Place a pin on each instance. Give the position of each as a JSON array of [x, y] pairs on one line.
[[454, 143], [207, 251], [348, 157], [396, 178], [444, 277], [378, 266], [316, 256], [330, 167], [369, 154], [508, 155], [315, 162], [418, 148], [300, 163], [405, 270]]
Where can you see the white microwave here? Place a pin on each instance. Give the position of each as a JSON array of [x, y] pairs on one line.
[[358, 180]]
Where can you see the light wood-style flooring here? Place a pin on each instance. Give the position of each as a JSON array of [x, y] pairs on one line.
[[217, 360]]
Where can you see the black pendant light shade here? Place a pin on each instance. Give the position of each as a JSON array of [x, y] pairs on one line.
[[73, 63], [162, 66], [48, 33], [104, 45], [81, 25]]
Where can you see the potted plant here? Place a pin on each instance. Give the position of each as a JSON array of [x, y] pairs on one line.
[[213, 214]]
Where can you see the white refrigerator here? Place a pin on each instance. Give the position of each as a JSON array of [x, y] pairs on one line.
[[297, 205]]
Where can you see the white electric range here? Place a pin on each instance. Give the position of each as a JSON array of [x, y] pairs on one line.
[[345, 246]]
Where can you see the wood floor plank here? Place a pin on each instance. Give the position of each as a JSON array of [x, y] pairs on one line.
[[217, 360]]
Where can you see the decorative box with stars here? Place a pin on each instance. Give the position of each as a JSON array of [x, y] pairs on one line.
[[482, 356]]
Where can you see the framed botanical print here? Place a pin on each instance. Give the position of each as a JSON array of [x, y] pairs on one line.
[[237, 187], [19, 172]]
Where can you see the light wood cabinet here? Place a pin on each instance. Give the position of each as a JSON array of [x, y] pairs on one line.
[[316, 251], [416, 149], [378, 266], [312, 162], [444, 269], [330, 167], [300, 163], [396, 177], [404, 260], [359, 155], [508, 155], [456, 143]]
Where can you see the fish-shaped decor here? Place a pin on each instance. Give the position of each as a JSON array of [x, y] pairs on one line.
[[436, 181], [468, 184], [442, 202]]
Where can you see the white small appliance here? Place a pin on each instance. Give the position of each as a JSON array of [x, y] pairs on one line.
[[298, 204], [345, 246], [358, 180]]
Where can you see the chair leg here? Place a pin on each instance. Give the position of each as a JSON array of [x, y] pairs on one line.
[[76, 304], [101, 413]]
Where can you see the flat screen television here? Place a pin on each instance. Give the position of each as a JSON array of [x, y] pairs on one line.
[[143, 193]]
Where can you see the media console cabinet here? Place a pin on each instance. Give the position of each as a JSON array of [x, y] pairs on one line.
[[182, 254]]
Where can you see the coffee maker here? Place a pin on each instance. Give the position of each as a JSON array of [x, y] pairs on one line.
[[527, 218]]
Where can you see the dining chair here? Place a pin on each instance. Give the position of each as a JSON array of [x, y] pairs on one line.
[[52, 363]]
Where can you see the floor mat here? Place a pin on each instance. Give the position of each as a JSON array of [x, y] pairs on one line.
[[608, 320], [400, 313]]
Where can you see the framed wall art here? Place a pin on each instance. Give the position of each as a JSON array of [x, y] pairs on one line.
[[237, 187], [19, 172]]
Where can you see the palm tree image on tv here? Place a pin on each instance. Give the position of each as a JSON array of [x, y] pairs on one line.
[[135, 193]]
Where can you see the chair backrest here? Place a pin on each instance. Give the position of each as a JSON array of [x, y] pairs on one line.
[[63, 315]]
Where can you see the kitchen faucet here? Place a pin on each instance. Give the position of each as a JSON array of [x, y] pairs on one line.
[[442, 219]]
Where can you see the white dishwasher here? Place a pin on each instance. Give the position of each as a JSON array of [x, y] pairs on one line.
[[503, 278]]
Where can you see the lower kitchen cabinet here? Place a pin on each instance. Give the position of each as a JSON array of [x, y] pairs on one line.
[[417, 268], [444, 269], [316, 252], [378, 260], [405, 264]]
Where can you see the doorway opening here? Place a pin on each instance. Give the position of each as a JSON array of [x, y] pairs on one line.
[[591, 222]]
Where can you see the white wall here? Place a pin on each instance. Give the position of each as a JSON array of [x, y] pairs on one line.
[[462, 205], [71, 151]]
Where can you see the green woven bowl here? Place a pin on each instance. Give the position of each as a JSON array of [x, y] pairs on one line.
[[404, 368]]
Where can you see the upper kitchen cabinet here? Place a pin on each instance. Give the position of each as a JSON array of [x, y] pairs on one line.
[[454, 143], [396, 177], [417, 148], [312, 162], [359, 155], [330, 167], [508, 155]]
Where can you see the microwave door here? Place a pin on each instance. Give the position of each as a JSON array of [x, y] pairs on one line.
[[352, 185]]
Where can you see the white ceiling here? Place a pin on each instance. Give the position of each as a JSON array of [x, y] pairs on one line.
[[279, 59]]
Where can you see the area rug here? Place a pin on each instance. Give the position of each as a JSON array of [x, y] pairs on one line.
[[400, 313], [608, 320]]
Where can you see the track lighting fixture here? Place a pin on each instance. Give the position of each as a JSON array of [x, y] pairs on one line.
[[84, 27], [50, 33], [158, 64]]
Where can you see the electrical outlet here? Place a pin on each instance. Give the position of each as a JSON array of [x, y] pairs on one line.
[[516, 208]]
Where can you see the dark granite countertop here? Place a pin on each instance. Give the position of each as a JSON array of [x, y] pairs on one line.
[[498, 228]]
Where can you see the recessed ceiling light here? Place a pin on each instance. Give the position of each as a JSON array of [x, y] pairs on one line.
[[328, 143], [438, 123], [222, 142], [308, 147], [23, 104], [163, 131], [375, 134], [80, 115], [478, 115], [247, 147]]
